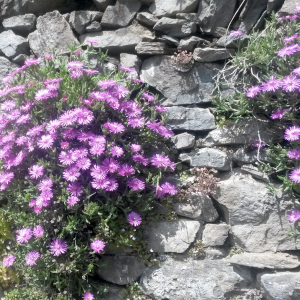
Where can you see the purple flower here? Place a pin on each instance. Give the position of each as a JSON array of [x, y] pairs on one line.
[[294, 154], [83, 163], [291, 38], [24, 235], [90, 72], [290, 83], [165, 132], [295, 175], [161, 108], [100, 183], [45, 142], [136, 122], [278, 114], [126, 170], [8, 260], [8, 105], [292, 134], [72, 200], [116, 151], [64, 145], [134, 219], [58, 247], [75, 65], [88, 296], [32, 61], [253, 91], [23, 119], [136, 184], [111, 184], [71, 173], [92, 42], [42, 95], [294, 216], [114, 127], [159, 160], [271, 85], [160, 192], [297, 71], [69, 133], [97, 246], [67, 158], [106, 84], [36, 171], [288, 50], [45, 184], [259, 144], [148, 97], [169, 188], [135, 147], [99, 172], [76, 73], [75, 189], [38, 231], [236, 33], [126, 69], [140, 159], [31, 258], [34, 131]]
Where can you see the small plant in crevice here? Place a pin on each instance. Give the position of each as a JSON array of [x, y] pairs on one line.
[[235, 250], [197, 250], [182, 60], [134, 292]]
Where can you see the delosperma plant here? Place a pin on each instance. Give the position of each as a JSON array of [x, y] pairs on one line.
[[82, 160]]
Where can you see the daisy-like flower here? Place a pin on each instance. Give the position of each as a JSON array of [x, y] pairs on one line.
[[165, 132], [148, 97], [159, 160], [114, 127], [83, 163], [72, 200], [76, 73], [97, 150], [278, 114], [38, 231], [32, 61], [22, 140], [294, 216], [290, 38], [259, 144], [23, 119], [41, 95], [90, 71], [8, 261], [236, 33], [45, 142], [85, 136], [140, 159], [8, 105], [98, 246], [32, 203], [253, 91], [83, 116], [68, 118], [31, 257], [169, 188], [116, 151], [14, 114], [135, 147], [136, 184], [120, 91], [288, 50], [126, 69], [136, 122], [75, 65], [97, 141], [126, 170], [75, 189], [294, 154], [154, 125], [71, 174], [45, 184], [295, 175], [24, 235], [112, 184], [52, 86], [134, 219], [69, 133], [92, 42], [110, 164], [67, 158], [34, 131], [161, 108], [290, 83], [297, 71], [106, 84], [292, 134], [98, 96], [271, 85], [99, 172], [100, 183], [6, 178], [48, 56], [64, 145], [89, 296], [160, 192], [58, 247], [36, 171]]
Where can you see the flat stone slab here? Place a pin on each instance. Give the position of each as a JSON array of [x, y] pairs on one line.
[[151, 48], [184, 141], [6, 66], [80, 19], [20, 24], [267, 260], [215, 234], [175, 236], [212, 54], [147, 19]]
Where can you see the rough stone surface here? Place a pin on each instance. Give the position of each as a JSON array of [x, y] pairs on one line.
[[121, 269], [93, 27], [182, 118], [162, 8], [207, 157], [215, 13], [120, 40], [232, 42], [10, 8], [243, 156], [53, 32], [211, 54], [280, 286], [256, 225], [169, 40], [121, 14], [254, 171], [191, 279], [11, 45], [130, 61], [184, 141], [20, 59], [175, 27], [191, 42], [175, 236], [147, 19], [20, 24], [151, 48], [215, 234], [192, 17], [6, 67], [245, 132], [179, 88], [81, 18], [265, 260], [288, 7], [197, 206], [114, 292], [102, 4]]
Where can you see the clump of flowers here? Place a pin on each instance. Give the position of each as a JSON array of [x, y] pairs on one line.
[[78, 169], [183, 58]]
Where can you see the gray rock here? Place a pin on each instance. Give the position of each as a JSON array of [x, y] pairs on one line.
[[195, 119], [228, 41], [250, 169], [169, 40], [215, 234], [288, 7], [177, 87], [197, 206], [175, 236], [244, 132], [215, 252], [121, 14], [114, 292], [15, 8], [215, 13], [280, 286], [147, 19], [130, 61], [53, 32], [93, 27], [191, 42], [67, 16], [192, 17], [121, 269], [11, 45], [20, 59], [20, 24], [242, 156], [212, 54], [162, 8], [6, 67], [256, 226], [120, 40], [151, 48], [102, 4], [175, 27], [219, 32], [207, 157], [191, 279], [81, 18], [267, 260], [184, 141]]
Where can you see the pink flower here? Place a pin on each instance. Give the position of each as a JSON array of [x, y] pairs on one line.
[[136, 122], [291, 38], [165, 132], [126, 69], [161, 108], [126, 170], [106, 84], [288, 50], [100, 183], [76, 74], [71, 173], [295, 175], [23, 119], [83, 163], [135, 147], [294, 216], [8, 260], [279, 113], [154, 126], [290, 83], [36, 171], [48, 56], [67, 157], [32, 61], [141, 159], [53, 126], [292, 134], [169, 188], [97, 246], [74, 189], [271, 85], [99, 172], [38, 231], [64, 145], [41, 95], [45, 184], [111, 165], [90, 72], [6, 178], [72, 200], [148, 97], [236, 33], [253, 91], [75, 65], [136, 184], [88, 296], [159, 160], [58, 247], [24, 235], [34, 131], [45, 142], [31, 258], [294, 154], [116, 151], [92, 42], [134, 219], [114, 127], [8, 105], [111, 184]]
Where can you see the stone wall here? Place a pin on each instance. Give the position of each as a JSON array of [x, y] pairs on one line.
[[239, 234]]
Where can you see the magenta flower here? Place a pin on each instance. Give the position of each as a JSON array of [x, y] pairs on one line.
[[8, 260], [88, 296], [114, 127], [290, 38], [294, 216], [148, 97], [23, 119], [106, 84], [271, 85], [297, 71], [160, 192], [38, 231], [48, 56], [169, 188], [100, 183], [45, 184], [279, 113], [295, 175], [126, 170], [236, 33], [75, 65], [159, 160], [135, 147], [253, 91], [58, 247], [161, 108], [134, 219], [136, 184], [45, 142], [34, 131], [292, 134], [154, 125], [71, 173], [140, 159], [165, 132], [42, 95], [97, 246], [72, 200], [52, 126], [259, 144], [64, 145], [69, 133], [294, 154], [290, 83], [76, 73], [111, 184], [288, 50], [136, 122], [31, 257], [32, 61], [90, 71], [126, 69], [97, 150], [36, 171], [24, 235], [6, 178], [8, 105], [83, 163], [111, 165], [92, 42], [116, 151], [67, 157], [75, 189], [99, 172]]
